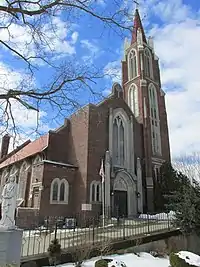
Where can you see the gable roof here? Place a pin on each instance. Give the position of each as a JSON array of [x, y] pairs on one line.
[[30, 149]]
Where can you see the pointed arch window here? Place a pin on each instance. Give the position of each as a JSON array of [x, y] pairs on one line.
[[62, 192], [132, 64], [115, 141], [59, 191], [4, 177], [133, 99], [154, 118], [148, 70], [121, 143], [37, 160], [95, 191], [55, 191], [98, 192], [120, 139], [13, 170]]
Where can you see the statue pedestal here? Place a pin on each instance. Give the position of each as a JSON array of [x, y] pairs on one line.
[[10, 247]]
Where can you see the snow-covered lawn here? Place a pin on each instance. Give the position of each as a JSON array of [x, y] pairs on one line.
[[141, 260], [130, 260]]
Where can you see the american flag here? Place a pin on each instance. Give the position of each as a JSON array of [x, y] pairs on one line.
[[101, 172]]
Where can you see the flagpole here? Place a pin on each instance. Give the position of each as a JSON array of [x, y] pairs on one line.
[[103, 203], [102, 174]]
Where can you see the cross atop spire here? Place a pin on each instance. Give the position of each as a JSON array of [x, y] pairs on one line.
[[137, 25]]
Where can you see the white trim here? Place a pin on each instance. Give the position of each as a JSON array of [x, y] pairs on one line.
[[119, 112], [94, 185], [66, 193], [135, 58], [157, 167], [155, 127], [111, 131], [58, 163], [24, 166], [37, 160], [133, 99], [148, 57], [157, 161], [13, 170]]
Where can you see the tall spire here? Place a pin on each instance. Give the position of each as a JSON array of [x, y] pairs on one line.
[[137, 25]]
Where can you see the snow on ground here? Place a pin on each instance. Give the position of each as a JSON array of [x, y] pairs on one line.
[[160, 216], [189, 257], [130, 260]]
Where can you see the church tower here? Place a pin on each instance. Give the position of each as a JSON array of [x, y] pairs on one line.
[[146, 99]]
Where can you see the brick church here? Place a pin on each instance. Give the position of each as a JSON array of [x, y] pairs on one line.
[[58, 174]]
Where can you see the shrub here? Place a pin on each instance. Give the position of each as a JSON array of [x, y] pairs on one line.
[[54, 252], [175, 261], [102, 263]]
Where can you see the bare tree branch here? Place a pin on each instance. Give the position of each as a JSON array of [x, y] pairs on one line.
[[69, 79]]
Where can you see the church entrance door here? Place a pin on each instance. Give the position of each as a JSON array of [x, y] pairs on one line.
[[120, 203]]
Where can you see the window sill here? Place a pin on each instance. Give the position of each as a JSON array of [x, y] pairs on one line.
[[58, 202]]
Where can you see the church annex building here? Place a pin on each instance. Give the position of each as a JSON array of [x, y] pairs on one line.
[[58, 174]]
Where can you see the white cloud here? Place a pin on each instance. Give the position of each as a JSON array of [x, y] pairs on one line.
[[101, 2], [173, 10], [55, 38], [93, 51], [113, 71], [177, 42], [177, 45], [74, 37], [25, 121]]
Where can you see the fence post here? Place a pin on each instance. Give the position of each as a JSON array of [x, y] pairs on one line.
[[168, 223], [124, 234], [56, 227], [148, 228], [93, 233]]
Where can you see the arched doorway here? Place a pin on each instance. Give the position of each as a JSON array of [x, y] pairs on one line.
[[124, 195]]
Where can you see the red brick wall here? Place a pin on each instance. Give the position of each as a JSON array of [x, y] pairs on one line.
[[99, 136], [78, 153], [164, 130], [58, 144], [36, 177], [51, 172], [4, 146]]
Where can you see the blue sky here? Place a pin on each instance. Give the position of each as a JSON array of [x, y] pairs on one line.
[[175, 26]]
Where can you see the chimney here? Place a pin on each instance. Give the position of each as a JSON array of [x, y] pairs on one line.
[[4, 145]]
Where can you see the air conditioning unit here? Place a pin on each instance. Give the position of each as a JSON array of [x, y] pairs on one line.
[[70, 223]]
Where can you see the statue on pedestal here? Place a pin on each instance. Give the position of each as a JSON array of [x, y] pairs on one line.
[[8, 203]]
